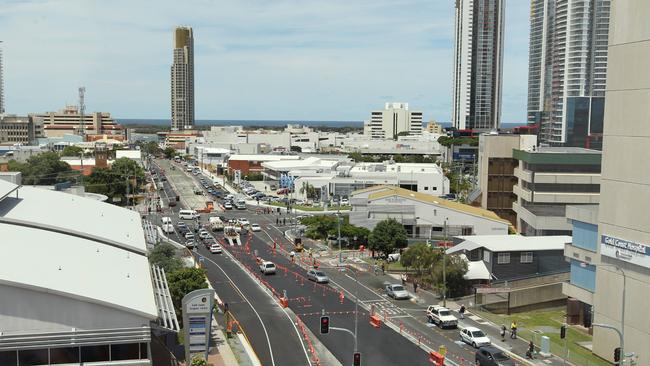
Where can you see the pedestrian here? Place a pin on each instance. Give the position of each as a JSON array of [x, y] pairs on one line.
[[503, 333], [383, 268], [292, 255], [284, 222], [403, 279], [415, 286], [462, 311], [277, 220], [530, 351], [513, 329]]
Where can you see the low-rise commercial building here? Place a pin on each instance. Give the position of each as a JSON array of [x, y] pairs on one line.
[[253, 163], [549, 179], [423, 215], [496, 166], [20, 129], [91, 295]]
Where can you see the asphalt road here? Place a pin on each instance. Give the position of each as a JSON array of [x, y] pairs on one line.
[[271, 333]]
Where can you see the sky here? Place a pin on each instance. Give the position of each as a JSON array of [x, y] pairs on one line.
[[254, 59]]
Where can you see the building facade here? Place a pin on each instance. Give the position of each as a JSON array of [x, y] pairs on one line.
[[68, 121], [20, 129], [549, 179], [623, 224], [182, 79], [478, 60], [567, 70], [496, 171], [393, 120]]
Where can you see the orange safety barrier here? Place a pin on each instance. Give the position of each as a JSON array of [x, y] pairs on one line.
[[284, 302], [436, 358], [375, 321]]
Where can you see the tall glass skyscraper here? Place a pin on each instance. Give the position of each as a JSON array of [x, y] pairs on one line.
[[567, 70], [182, 80], [478, 60]]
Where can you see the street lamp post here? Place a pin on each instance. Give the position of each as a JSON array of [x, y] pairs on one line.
[[338, 229], [444, 269]]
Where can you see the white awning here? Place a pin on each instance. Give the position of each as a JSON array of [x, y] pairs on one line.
[[166, 313], [476, 270]]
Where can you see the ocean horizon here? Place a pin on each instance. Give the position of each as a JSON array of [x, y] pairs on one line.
[[270, 123]]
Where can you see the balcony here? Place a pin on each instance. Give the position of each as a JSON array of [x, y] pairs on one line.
[[567, 178], [523, 174], [541, 219], [522, 193]]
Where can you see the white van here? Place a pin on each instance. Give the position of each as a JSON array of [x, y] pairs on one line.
[[166, 220], [188, 214]]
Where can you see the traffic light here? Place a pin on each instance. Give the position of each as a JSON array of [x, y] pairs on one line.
[[617, 354], [324, 324], [563, 331], [356, 359]]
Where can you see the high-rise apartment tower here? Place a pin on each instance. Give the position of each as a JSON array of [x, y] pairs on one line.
[[182, 78], [566, 70], [478, 60]]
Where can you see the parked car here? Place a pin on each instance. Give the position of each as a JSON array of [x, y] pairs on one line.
[[475, 337], [492, 356], [441, 316], [267, 267], [344, 202], [317, 276], [215, 248], [397, 292], [256, 227]]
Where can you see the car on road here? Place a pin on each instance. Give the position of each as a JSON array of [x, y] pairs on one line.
[[189, 236], [441, 316], [397, 291], [267, 267], [203, 234], [492, 356], [243, 221], [190, 244], [172, 203], [344, 202], [317, 276], [168, 228], [215, 248], [241, 205], [227, 206], [256, 227], [474, 337]]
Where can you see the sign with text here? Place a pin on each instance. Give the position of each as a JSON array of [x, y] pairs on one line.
[[625, 250], [492, 290], [197, 317]]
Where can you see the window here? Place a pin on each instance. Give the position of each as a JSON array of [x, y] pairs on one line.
[[8, 358], [526, 257], [503, 258], [486, 256], [426, 188], [33, 357], [64, 355], [129, 351], [95, 353], [434, 188]]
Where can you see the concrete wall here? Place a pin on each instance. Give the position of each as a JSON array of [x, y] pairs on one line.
[[625, 182], [42, 311]]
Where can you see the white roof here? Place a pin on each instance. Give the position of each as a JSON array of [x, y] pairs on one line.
[[76, 247], [74, 214], [263, 157], [476, 270], [131, 154], [510, 243], [89, 271], [311, 162]]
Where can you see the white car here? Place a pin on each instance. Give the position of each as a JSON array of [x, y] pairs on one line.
[[344, 202], [397, 292], [190, 244], [267, 267], [203, 234], [189, 236], [243, 221], [474, 337], [227, 206], [441, 316], [256, 227], [215, 248]]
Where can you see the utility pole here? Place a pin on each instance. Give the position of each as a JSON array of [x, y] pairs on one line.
[[444, 269]]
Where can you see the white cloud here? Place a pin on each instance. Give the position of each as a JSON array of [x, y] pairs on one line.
[[293, 59]]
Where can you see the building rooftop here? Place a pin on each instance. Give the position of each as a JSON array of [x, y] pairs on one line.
[[426, 198], [262, 157], [311, 162], [510, 243], [74, 247]]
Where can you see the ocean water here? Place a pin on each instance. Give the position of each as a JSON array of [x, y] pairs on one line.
[[212, 122]]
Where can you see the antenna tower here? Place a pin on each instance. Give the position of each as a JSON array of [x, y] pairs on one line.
[[82, 109]]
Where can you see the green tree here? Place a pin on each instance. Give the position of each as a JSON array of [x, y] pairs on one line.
[[151, 148], [356, 234], [164, 255], [183, 281], [309, 191], [419, 256], [456, 268], [318, 227], [387, 236], [169, 152], [43, 169], [112, 181], [198, 360], [72, 150]]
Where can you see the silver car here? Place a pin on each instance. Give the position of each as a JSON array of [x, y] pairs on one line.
[[317, 276], [397, 292]]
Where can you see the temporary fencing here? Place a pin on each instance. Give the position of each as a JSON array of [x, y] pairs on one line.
[[310, 346]]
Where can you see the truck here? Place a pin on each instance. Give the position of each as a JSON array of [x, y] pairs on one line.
[[216, 224], [441, 317]]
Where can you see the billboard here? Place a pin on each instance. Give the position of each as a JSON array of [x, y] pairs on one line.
[[625, 250]]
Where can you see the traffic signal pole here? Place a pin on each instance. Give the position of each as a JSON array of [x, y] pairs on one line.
[[620, 336]]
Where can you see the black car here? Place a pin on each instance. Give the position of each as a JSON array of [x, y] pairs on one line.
[[492, 356]]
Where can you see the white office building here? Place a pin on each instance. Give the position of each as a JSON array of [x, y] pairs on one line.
[[393, 120], [478, 60], [73, 289]]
